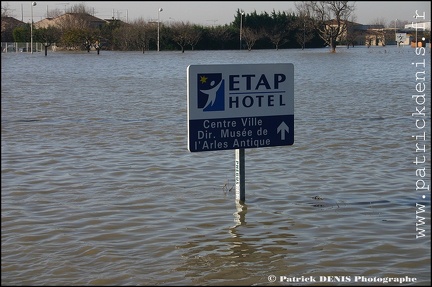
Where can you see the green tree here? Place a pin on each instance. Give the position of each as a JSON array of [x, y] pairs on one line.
[[107, 33], [47, 36], [22, 33], [72, 39]]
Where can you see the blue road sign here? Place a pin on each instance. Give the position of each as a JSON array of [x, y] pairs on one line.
[[238, 106]]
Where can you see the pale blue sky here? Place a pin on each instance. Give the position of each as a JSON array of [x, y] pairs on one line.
[[212, 12]]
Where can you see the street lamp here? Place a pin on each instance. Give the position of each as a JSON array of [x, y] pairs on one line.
[[241, 27], [160, 10], [31, 27]]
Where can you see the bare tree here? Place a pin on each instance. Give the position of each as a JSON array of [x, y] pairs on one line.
[[79, 8], [304, 29], [222, 34], [329, 18], [399, 24], [379, 21], [181, 33], [193, 36], [251, 36], [5, 10], [277, 35], [142, 31], [53, 13], [353, 32]]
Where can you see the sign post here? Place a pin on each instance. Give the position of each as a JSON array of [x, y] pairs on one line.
[[400, 38], [240, 175], [240, 106]]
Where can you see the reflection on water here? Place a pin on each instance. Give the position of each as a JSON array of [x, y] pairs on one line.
[[239, 215], [98, 187], [238, 258]]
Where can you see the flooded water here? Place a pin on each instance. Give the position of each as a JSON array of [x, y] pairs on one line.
[[98, 186]]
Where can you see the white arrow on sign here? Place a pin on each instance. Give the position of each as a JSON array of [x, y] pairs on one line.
[[282, 128]]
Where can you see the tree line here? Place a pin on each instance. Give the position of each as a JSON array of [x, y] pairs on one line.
[[276, 30]]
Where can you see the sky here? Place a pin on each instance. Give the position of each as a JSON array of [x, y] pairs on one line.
[[212, 12]]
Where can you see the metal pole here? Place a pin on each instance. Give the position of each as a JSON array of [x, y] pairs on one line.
[[240, 175], [160, 10], [31, 27]]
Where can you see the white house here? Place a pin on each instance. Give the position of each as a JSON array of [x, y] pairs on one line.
[[421, 26]]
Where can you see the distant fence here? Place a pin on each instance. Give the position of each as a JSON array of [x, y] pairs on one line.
[[16, 47]]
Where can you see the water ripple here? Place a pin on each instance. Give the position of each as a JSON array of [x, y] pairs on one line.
[[98, 187]]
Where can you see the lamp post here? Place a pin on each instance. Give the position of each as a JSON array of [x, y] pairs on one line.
[[241, 27], [158, 32], [31, 27]]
